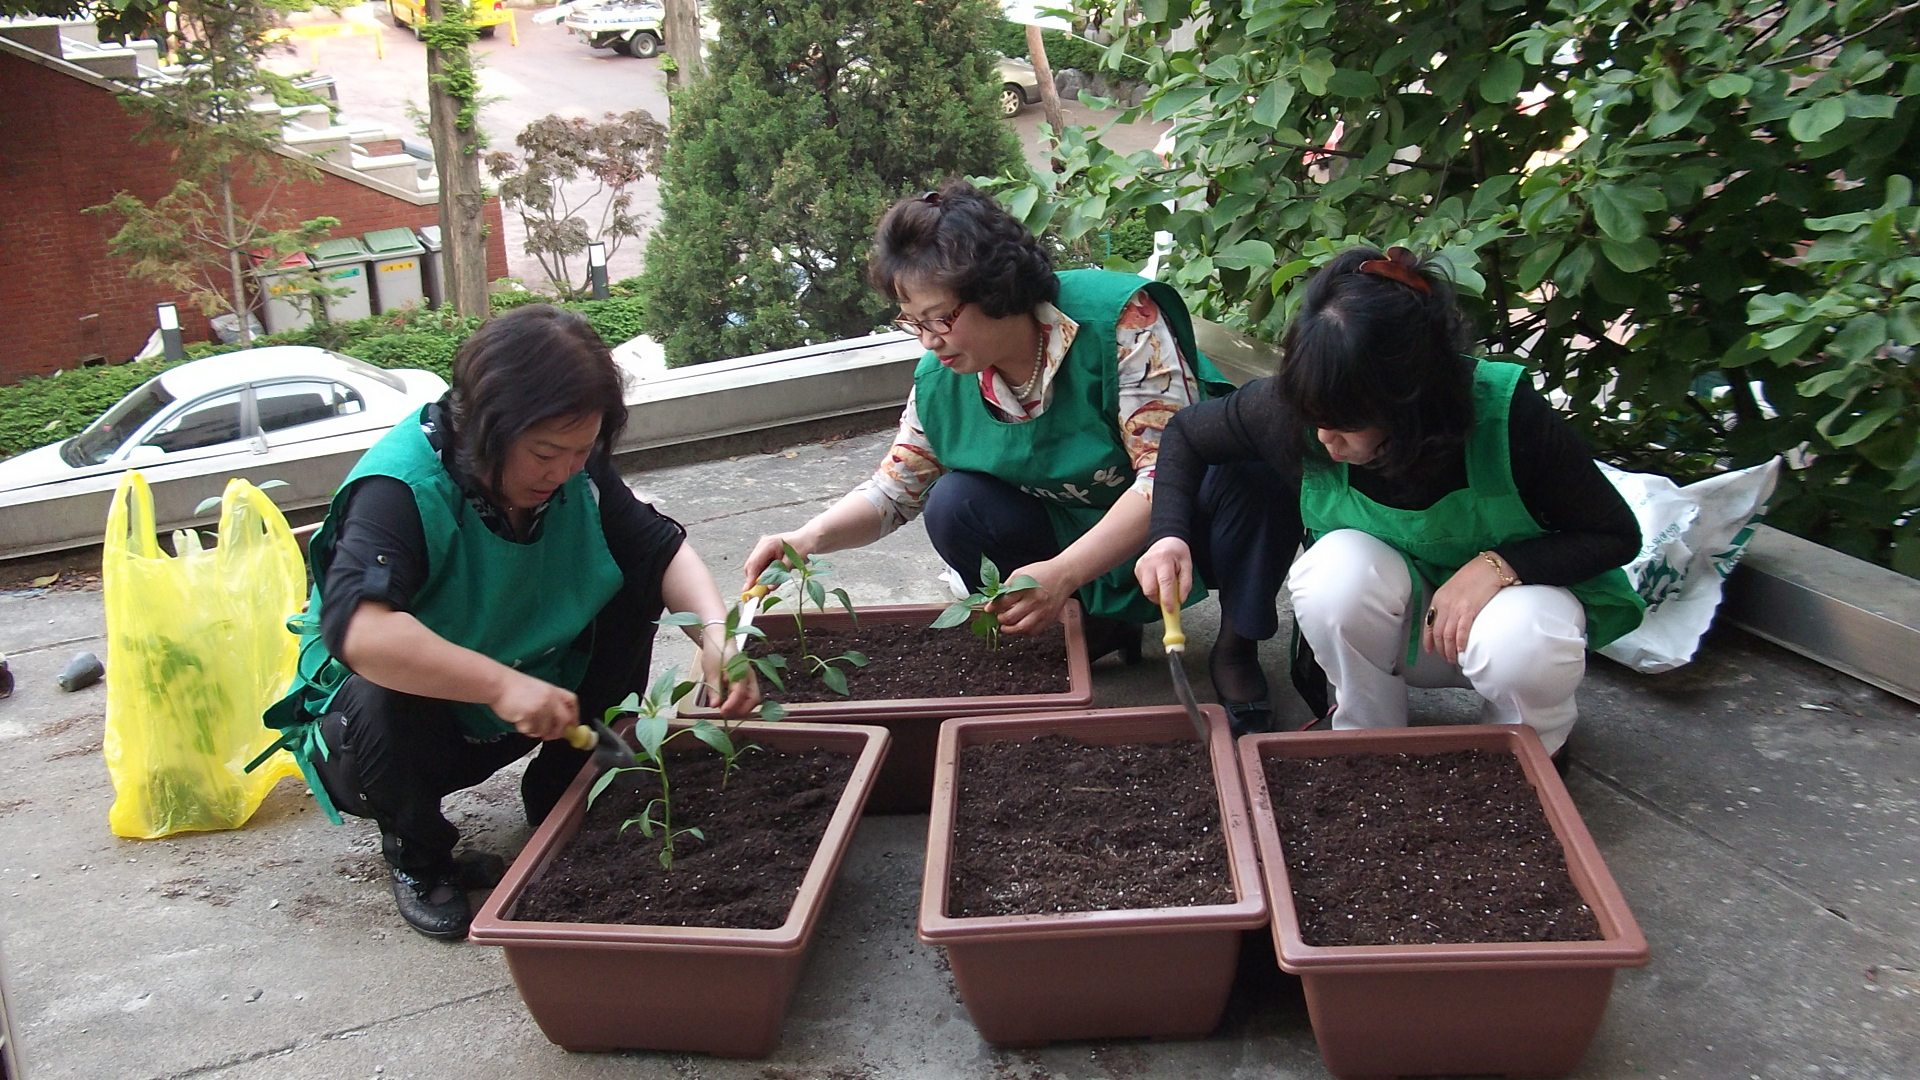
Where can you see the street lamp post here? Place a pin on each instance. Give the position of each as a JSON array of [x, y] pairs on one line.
[[170, 333], [597, 269]]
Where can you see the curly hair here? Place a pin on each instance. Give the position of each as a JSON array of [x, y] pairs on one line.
[[519, 369], [960, 239], [1371, 348]]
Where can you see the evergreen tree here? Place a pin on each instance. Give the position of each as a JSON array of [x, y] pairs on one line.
[[817, 115]]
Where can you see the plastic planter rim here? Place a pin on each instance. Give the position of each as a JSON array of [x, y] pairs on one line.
[[491, 927], [1622, 944], [1160, 723]]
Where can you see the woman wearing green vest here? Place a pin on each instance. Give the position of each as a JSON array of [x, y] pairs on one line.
[[1034, 422], [1459, 532], [483, 579]]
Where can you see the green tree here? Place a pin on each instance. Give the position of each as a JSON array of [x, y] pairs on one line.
[[1626, 192], [198, 237], [815, 117]]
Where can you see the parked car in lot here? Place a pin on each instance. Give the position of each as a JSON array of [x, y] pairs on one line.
[[628, 27], [486, 15], [1019, 86], [221, 411]]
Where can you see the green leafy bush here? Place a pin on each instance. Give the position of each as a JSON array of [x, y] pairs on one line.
[[1628, 195], [1063, 50]]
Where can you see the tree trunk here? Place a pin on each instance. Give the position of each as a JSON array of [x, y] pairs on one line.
[[456, 158], [1049, 95], [682, 27], [239, 297]]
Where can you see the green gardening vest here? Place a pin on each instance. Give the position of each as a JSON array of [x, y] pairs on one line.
[[1071, 456], [524, 605], [1486, 513]]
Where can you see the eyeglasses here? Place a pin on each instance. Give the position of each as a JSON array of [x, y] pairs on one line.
[[939, 327]]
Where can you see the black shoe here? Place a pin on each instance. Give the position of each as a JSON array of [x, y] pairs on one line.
[[1248, 717], [433, 904], [1106, 635], [478, 870], [1244, 673]]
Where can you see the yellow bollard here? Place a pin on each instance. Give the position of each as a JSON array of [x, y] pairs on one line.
[[379, 41], [513, 30]]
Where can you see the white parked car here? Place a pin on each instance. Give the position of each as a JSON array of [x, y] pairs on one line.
[[1019, 85], [221, 411]]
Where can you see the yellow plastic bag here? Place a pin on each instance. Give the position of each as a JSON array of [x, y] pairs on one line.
[[197, 648]]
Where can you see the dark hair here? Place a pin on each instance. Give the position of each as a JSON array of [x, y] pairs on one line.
[[530, 365], [1371, 348], [957, 238]]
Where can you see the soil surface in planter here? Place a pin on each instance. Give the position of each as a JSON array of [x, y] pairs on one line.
[[1053, 825], [1422, 849], [908, 661], [761, 832]]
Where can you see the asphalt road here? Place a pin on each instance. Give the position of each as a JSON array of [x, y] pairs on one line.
[[549, 72]]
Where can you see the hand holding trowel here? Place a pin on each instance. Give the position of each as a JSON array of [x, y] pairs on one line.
[[610, 751]]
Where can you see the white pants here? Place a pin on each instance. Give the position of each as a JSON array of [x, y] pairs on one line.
[[1356, 604]]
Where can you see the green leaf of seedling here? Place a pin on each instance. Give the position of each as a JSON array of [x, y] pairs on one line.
[[666, 857], [601, 784], [835, 679], [662, 686], [957, 612], [695, 833], [770, 671], [1020, 584], [847, 603], [714, 737], [770, 601], [681, 690], [680, 618], [772, 712], [628, 704], [651, 733], [818, 594], [855, 657], [984, 623], [989, 576], [793, 558], [774, 576]]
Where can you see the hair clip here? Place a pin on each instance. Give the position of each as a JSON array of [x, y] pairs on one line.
[[931, 198], [1401, 266]]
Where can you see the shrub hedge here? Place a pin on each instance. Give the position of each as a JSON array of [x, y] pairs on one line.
[[48, 408]]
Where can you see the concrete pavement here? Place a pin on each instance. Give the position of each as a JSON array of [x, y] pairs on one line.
[[1758, 811]]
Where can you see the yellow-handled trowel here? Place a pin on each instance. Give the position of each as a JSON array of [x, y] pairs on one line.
[[1175, 643]]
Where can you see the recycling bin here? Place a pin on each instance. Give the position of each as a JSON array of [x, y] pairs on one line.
[[396, 258], [342, 264], [283, 279], [435, 277]]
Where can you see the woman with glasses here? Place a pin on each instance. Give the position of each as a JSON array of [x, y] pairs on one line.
[[1034, 424]]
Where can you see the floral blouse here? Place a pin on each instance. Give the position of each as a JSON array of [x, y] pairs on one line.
[[1155, 382]]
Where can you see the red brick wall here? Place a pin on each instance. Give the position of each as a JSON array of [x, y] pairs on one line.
[[61, 296]]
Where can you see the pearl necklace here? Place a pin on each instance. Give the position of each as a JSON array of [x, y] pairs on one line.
[[1039, 362]]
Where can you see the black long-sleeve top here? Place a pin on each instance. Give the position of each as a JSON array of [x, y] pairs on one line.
[[380, 553], [1589, 527]]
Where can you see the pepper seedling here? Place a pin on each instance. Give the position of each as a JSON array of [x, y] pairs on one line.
[[806, 573], [652, 732], [737, 662], [973, 610]]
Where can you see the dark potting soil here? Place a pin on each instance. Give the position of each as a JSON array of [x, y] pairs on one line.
[[908, 661], [1422, 849], [761, 831], [1052, 824]]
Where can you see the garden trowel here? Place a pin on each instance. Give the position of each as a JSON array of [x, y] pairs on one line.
[[610, 751], [1175, 643]]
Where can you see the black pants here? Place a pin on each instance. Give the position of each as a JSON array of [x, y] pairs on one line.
[[394, 756], [1243, 529]]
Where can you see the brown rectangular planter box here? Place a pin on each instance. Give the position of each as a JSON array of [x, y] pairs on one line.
[[1161, 972], [906, 782], [597, 986], [1515, 1009]]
